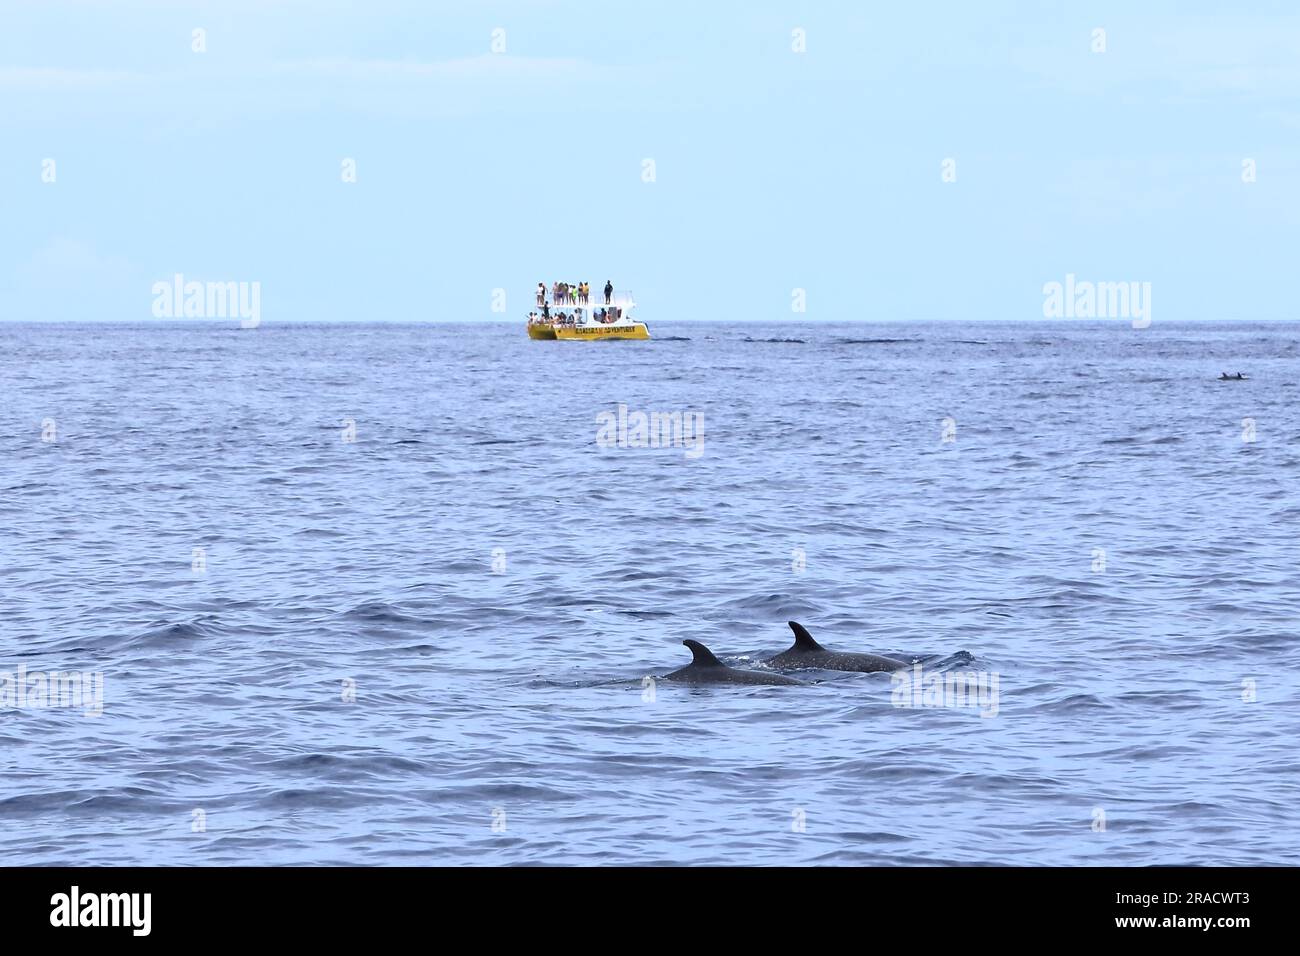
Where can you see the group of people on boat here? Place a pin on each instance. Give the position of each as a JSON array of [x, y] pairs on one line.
[[570, 293], [546, 317], [574, 295]]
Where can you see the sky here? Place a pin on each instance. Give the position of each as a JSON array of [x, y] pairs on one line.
[[712, 158]]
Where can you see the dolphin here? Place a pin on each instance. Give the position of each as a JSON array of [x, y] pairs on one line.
[[805, 652], [704, 668]]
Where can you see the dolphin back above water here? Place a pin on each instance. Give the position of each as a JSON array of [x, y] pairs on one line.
[[806, 652], [704, 668]]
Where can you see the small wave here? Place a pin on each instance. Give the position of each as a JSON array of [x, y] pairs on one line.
[[1073, 704], [776, 606], [937, 662], [378, 612], [181, 632], [873, 341]]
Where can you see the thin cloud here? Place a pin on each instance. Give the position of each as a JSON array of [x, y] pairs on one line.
[[453, 87], [487, 66], [56, 78]]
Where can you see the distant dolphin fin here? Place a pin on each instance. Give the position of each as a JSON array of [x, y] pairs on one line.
[[701, 655], [802, 639]]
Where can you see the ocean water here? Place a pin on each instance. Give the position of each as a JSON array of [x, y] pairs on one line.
[[427, 645]]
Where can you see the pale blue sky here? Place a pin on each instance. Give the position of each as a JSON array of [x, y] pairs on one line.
[[774, 170]]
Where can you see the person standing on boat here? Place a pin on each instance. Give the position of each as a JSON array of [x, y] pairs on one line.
[[541, 293], [609, 291]]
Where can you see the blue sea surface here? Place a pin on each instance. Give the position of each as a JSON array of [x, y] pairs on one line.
[[428, 645]]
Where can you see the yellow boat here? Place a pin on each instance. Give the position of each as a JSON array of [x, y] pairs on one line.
[[572, 320]]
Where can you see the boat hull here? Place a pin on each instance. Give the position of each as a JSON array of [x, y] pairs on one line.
[[636, 330]]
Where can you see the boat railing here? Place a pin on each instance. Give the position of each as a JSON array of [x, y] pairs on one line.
[[582, 316], [622, 298]]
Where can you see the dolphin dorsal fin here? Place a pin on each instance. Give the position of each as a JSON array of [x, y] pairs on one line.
[[701, 656], [802, 639]]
